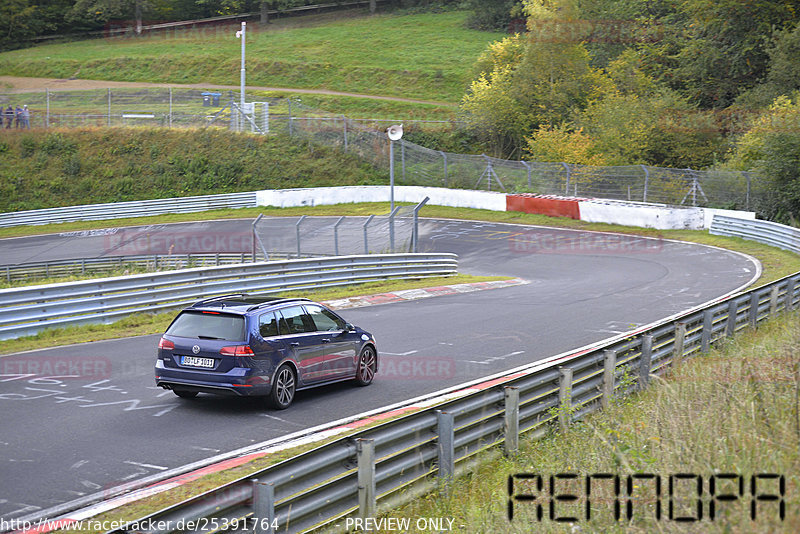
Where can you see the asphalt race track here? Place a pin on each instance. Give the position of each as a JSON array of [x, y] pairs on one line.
[[80, 419]]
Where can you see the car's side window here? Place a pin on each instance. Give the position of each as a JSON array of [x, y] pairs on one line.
[[324, 320], [295, 321], [268, 325]]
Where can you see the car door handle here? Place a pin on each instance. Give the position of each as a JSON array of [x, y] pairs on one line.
[[294, 344], [326, 340]]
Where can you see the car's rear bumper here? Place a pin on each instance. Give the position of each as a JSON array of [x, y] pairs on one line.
[[238, 381]]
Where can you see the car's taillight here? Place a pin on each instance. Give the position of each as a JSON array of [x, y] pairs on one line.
[[237, 350], [165, 344]]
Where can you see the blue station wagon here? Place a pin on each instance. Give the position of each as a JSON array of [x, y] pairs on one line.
[[249, 345]]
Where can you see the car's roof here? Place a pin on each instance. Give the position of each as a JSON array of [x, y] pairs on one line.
[[243, 303]]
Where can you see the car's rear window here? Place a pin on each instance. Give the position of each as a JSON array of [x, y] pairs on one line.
[[208, 325]]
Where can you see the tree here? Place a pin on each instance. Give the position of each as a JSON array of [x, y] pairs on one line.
[[104, 11]]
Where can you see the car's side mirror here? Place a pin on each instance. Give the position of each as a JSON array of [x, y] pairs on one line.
[[349, 327]]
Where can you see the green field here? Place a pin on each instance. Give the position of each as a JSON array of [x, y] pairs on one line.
[[421, 56]]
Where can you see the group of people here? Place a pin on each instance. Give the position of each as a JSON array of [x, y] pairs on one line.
[[20, 117]]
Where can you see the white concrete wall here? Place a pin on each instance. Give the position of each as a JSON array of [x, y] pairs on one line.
[[638, 214], [439, 196]]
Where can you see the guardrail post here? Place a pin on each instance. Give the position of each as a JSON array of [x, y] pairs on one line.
[[366, 240], [264, 507], [297, 227], [773, 300], [708, 326], [336, 236], [680, 342], [511, 426], [609, 376], [733, 312], [788, 298], [645, 361], [564, 398], [365, 453], [753, 311], [445, 423]]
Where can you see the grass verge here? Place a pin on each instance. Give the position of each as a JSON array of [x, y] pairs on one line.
[[733, 410], [142, 324]]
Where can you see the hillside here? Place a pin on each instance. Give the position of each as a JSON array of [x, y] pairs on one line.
[[424, 56], [47, 169]]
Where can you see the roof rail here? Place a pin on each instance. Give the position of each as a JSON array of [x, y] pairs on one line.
[[219, 297], [278, 300]]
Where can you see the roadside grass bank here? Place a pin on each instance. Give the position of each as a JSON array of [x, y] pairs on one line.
[[45, 169], [735, 410], [142, 324], [361, 54]]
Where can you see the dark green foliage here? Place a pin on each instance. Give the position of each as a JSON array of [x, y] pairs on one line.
[[76, 167]]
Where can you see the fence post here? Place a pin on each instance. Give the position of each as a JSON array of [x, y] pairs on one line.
[[511, 426], [445, 427], [108, 119], [365, 454], [263, 507], [170, 109], [733, 312], [344, 122], [297, 227], [289, 100], [646, 183], [336, 236], [609, 376], [747, 195], [366, 240], [753, 311], [645, 361], [415, 230], [528, 168], [444, 158], [708, 326], [47, 112], [564, 398], [569, 172], [788, 298], [391, 228]]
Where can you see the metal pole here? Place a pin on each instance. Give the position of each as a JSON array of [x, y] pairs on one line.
[[511, 427], [366, 243], [170, 109], [444, 158], [365, 454], [708, 326], [609, 376], [753, 313], [645, 362], [415, 230], [344, 122], [730, 327], [108, 119], [336, 236], [446, 431], [391, 175], [264, 507], [566, 189], [528, 168], [646, 183], [391, 229], [297, 228], [47, 116], [241, 83], [564, 398]]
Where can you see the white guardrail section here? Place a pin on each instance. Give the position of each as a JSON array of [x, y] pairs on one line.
[[769, 233], [121, 210], [28, 310]]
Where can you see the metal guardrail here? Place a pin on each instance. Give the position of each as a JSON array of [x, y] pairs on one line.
[[769, 233], [151, 262], [389, 463], [28, 310], [121, 210]]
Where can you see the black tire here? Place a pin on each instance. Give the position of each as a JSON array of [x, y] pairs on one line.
[[185, 394], [367, 365], [283, 388]]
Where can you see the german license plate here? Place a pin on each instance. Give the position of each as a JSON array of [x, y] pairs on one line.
[[193, 361]]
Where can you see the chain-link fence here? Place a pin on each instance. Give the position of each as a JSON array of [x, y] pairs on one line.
[[324, 236], [413, 164]]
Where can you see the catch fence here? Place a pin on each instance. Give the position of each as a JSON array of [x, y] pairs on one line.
[[366, 138]]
